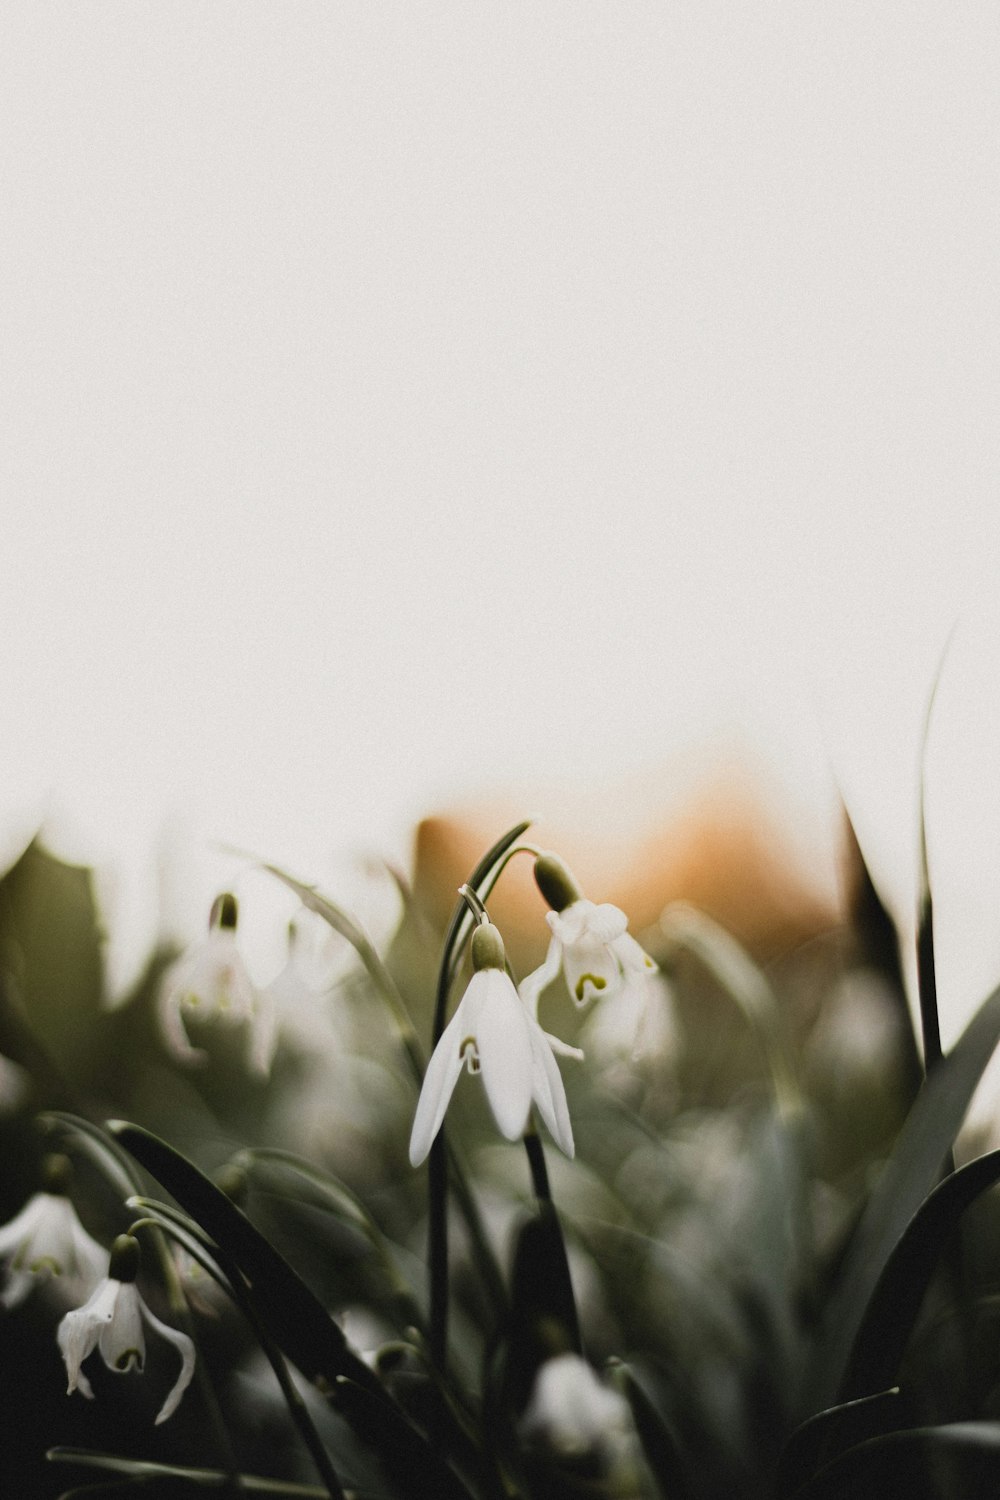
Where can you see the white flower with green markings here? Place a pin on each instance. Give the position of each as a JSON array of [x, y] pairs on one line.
[[46, 1242], [492, 1034], [590, 944], [112, 1323]]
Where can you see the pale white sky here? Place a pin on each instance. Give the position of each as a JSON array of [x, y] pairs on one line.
[[397, 399]]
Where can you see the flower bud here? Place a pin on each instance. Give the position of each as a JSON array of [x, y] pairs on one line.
[[224, 912], [487, 948], [555, 882], [232, 1180], [57, 1173], [125, 1258]]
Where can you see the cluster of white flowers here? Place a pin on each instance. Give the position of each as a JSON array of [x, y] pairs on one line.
[[495, 1030]]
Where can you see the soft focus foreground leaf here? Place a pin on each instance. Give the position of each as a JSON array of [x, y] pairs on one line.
[[331, 1224], [50, 956], [543, 1319], [659, 1444], [911, 1172], [417, 1469], [296, 1320], [682, 926], [960, 1459], [293, 1316], [895, 1303], [830, 1433]]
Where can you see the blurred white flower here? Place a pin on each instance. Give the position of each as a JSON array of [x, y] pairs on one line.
[[571, 1411], [638, 1027], [46, 1240], [211, 981], [111, 1322], [297, 998], [493, 1034]]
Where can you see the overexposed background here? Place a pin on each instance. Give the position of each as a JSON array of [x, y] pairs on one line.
[[400, 399]]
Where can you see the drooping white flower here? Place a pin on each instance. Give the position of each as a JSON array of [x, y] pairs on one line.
[[492, 1034], [596, 953], [46, 1240], [111, 1322], [571, 1411], [590, 943], [211, 981]]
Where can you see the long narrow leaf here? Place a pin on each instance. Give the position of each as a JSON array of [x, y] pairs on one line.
[[895, 1303], [899, 1462], [910, 1174], [830, 1433]]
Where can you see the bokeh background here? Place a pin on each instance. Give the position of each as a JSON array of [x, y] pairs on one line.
[[406, 405]]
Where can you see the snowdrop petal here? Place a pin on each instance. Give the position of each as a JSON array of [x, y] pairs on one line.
[[185, 1346], [438, 1086], [80, 1330], [549, 1092], [632, 955], [22, 1226], [539, 979], [503, 1038], [591, 970], [121, 1342], [47, 1239]]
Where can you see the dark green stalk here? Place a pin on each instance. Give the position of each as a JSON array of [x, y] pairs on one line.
[[437, 1165]]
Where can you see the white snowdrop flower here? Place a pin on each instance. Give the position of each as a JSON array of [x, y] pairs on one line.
[[492, 1034], [111, 1322], [571, 1411], [211, 981], [46, 1240], [590, 943]]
